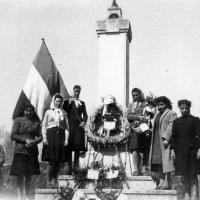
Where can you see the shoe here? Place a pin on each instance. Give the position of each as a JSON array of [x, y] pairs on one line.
[[146, 173], [54, 184], [69, 173], [135, 173], [158, 187], [164, 187], [48, 186], [26, 198]]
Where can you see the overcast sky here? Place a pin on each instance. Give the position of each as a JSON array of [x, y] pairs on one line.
[[164, 52]]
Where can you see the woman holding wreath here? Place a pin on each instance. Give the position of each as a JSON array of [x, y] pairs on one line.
[[55, 132]]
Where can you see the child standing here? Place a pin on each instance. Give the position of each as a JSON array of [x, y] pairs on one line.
[[185, 148]]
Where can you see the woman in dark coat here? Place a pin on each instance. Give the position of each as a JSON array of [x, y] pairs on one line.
[[185, 148], [26, 133], [160, 161], [77, 116]]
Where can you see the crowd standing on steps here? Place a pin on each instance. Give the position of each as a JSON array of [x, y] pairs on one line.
[[159, 141]]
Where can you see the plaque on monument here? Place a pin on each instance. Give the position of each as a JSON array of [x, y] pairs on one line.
[[92, 174]]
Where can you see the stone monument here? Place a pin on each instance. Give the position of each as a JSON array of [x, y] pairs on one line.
[[114, 36]]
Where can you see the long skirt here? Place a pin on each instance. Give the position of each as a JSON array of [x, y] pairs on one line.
[[25, 165], [55, 150]]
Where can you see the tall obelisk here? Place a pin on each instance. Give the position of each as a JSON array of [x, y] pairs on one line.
[[114, 36]]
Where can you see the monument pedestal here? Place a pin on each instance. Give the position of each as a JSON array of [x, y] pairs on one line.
[[109, 157]]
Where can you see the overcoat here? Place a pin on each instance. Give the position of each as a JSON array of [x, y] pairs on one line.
[[165, 132]]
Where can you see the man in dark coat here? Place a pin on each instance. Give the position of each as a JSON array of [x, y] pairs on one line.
[[77, 116]]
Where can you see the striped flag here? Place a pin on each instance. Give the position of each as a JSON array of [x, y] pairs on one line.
[[43, 81]]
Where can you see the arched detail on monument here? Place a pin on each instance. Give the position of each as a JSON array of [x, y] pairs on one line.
[[114, 16]]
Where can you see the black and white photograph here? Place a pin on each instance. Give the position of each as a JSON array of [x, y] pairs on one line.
[[100, 100]]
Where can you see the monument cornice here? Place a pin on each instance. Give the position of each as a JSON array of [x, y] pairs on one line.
[[114, 26]]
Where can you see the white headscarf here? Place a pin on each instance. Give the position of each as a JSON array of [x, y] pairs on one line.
[[58, 112]]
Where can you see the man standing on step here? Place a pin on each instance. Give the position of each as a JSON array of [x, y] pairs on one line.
[[77, 116]]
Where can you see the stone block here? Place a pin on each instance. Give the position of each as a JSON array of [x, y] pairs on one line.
[[134, 182], [49, 194]]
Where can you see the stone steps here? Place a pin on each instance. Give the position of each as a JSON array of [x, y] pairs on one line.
[[134, 182], [52, 194], [141, 188]]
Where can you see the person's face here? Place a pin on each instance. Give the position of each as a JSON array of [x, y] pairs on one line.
[[161, 107], [76, 92], [28, 112], [185, 110], [136, 96], [58, 102]]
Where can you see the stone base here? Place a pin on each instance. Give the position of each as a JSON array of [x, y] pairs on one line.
[[134, 182], [109, 157], [49, 194]]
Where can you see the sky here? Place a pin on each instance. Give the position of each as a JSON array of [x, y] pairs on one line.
[[164, 52]]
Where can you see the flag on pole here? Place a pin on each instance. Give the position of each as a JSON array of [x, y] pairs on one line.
[[43, 81]]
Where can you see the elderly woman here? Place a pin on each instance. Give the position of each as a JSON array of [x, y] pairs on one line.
[[26, 133], [135, 116], [185, 148], [55, 133], [160, 161]]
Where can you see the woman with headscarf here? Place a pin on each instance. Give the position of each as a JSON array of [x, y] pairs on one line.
[[135, 116], [26, 133], [185, 149], [160, 161], [55, 133]]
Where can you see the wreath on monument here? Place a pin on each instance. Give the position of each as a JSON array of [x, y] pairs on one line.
[[108, 125]]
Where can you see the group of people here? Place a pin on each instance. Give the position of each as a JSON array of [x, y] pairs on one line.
[[170, 143], [62, 132]]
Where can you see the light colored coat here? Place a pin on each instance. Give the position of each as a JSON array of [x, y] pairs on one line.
[[165, 131]]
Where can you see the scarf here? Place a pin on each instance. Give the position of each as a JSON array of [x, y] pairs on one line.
[[77, 102], [58, 112], [58, 116]]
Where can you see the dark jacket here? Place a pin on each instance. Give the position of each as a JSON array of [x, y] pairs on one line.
[[75, 114], [23, 129]]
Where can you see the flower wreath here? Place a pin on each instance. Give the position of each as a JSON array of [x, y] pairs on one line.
[[96, 133]]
